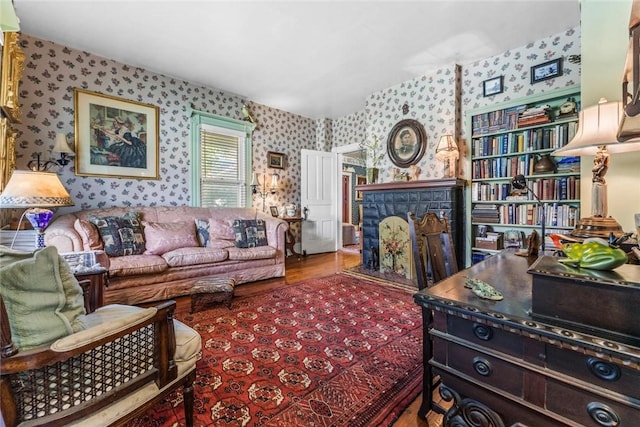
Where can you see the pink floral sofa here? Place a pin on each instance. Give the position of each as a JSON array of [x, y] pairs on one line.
[[174, 249]]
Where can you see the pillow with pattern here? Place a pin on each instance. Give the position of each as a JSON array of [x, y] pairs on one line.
[[121, 235], [202, 232], [250, 233]]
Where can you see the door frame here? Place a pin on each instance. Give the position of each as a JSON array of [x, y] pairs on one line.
[[340, 151]]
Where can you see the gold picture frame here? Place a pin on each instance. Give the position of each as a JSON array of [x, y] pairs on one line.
[[12, 67], [115, 137]]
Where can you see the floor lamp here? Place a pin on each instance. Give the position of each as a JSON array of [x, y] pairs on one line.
[[35, 190], [597, 136]]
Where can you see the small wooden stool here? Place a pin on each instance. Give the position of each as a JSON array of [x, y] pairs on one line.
[[206, 292]]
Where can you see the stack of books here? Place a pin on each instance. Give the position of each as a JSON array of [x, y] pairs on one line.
[[485, 213], [535, 116]]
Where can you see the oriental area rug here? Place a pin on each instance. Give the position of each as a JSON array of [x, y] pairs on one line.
[[335, 351]]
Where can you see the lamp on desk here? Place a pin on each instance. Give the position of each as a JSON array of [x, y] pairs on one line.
[[519, 182], [264, 192], [35, 190], [597, 136]]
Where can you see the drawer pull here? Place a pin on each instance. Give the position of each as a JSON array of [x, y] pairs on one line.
[[482, 366], [603, 415], [603, 370], [483, 332]]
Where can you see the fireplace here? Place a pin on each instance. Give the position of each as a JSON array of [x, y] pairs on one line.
[[443, 197]]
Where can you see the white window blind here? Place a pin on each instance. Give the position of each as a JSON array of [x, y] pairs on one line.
[[222, 168]]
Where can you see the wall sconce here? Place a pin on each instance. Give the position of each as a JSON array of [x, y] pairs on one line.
[[447, 152], [264, 192], [62, 146]]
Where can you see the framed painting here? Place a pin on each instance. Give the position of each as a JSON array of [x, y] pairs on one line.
[[274, 211], [493, 86], [12, 66], [546, 70], [275, 160], [115, 137], [360, 180], [406, 143]]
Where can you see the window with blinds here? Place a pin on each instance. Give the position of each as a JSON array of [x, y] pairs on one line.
[[222, 167]]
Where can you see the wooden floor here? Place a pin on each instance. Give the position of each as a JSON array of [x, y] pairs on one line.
[[319, 266]]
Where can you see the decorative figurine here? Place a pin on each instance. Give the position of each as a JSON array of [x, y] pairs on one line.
[[415, 172]]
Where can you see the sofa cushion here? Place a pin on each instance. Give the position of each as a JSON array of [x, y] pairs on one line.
[[246, 254], [221, 229], [137, 264], [250, 233], [202, 232], [121, 235], [192, 256], [89, 235], [221, 244], [161, 237], [42, 297]]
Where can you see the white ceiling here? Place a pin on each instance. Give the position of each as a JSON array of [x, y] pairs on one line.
[[319, 59]]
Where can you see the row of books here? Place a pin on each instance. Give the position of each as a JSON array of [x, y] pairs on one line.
[[561, 188], [528, 140], [556, 215], [496, 121]]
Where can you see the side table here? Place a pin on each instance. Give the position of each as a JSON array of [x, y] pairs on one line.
[[291, 241], [93, 283]]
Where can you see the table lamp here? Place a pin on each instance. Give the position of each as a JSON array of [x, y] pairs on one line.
[[35, 190], [447, 152], [597, 133]]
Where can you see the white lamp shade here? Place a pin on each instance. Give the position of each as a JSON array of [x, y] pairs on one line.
[[598, 125], [28, 189], [446, 148], [62, 146]]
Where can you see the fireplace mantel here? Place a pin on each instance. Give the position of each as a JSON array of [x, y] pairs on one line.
[[440, 196], [408, 185]]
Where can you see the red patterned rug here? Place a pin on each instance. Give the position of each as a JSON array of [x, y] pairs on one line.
[[337, 351]]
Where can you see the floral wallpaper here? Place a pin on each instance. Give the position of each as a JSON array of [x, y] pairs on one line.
[[431, 98], [52, 72]]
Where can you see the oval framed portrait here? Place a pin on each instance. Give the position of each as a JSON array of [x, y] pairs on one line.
[[407, 143]]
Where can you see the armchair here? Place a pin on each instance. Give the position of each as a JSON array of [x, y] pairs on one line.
[[122, 361]]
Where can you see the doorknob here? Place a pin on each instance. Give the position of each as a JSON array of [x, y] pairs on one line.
[[305, 212]]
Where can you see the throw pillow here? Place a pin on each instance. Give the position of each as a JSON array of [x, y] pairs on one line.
[[121, 235], [221, 229], [43, 299], [202, 232], [250, 233], [164, 237], [89, 235]]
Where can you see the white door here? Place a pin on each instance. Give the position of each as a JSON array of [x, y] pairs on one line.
[[318, 201]]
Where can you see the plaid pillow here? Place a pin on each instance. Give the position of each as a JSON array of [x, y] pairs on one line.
[[250, 233], [121, 235]]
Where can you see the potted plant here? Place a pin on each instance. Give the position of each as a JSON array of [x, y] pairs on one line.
[[375, 154]]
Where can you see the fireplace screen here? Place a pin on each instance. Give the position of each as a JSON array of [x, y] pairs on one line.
[[395, 247]]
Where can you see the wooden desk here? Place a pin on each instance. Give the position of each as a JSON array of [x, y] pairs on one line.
[[290, 239], [498, 362]]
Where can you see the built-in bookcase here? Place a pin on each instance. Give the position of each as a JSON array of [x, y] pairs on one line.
[[514, 138]]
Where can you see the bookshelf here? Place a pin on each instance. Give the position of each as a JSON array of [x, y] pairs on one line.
[[518, 137]]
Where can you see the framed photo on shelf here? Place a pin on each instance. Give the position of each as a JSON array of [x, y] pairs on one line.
[[275, 160], [546, 70], [493, 86], [115, 137], [407, 143], [274, 211]]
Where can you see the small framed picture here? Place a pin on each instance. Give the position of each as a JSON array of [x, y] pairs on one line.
[[360, 180], [546, 70], [274, 211], [493, 86], [275, 160]]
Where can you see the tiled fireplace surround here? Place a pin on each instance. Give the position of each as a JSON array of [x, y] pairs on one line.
[[397, 198]]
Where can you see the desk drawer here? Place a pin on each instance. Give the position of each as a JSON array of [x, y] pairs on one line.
[[483, 368], [485, 335], [586, 408], [593, 370]]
